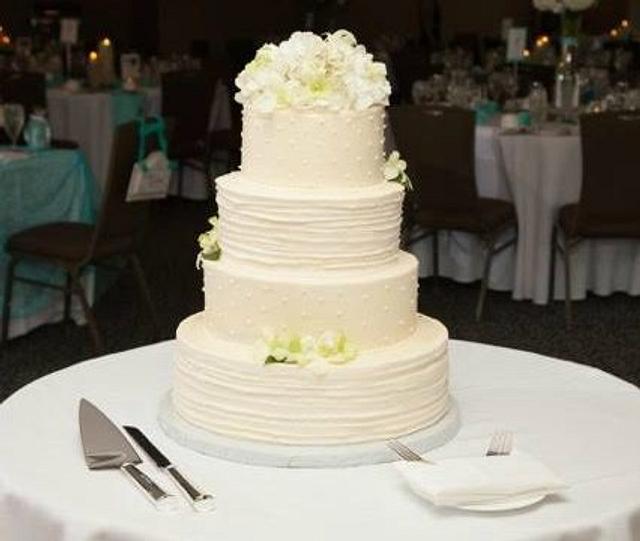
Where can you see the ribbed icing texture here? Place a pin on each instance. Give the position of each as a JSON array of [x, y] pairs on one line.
[[374, 308], [309, 232], [385, 394], [314, 149], [316, 229]]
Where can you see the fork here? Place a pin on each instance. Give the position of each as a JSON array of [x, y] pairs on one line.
[[405, 453], [501, 444]]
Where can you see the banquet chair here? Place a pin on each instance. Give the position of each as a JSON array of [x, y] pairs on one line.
[[26, 88], [73, 246], [438, 146], [187, 96], [610, 198]]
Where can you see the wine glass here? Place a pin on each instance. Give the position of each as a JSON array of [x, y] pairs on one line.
[[13, 121]]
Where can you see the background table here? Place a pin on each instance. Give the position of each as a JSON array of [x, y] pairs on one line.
[[90, 118], [582, 422], [48, 186], [539, 173]]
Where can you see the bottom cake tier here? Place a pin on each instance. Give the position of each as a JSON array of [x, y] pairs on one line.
[[385, 393]]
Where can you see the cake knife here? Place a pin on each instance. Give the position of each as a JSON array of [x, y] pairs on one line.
[[105, 447], [200, 501]]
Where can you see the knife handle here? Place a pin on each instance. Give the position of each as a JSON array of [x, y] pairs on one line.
[[160, 499], [200, 501]]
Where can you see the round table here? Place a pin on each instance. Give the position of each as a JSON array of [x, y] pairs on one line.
[[581, 422]]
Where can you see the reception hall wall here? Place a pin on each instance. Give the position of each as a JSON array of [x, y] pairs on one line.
[[171, 25]]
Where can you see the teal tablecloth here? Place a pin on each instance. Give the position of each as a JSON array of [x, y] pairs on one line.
[[47, 186]]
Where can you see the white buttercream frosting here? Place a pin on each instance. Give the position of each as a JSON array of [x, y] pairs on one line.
[[385, 393], [318, 229], [314, 149], [309, 246], [373, 308]]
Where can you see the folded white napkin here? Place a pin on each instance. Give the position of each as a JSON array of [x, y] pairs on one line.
[[481, 480]]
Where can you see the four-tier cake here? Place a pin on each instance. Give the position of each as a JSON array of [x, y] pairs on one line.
[[310, 334]]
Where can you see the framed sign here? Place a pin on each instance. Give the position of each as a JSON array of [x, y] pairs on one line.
[[69, 31], [130, 65], [516, 44]]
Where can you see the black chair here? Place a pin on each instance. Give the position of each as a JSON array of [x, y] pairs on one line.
[[26, 88], [438, 145], [609, 205], [186, 103], [74, 246]]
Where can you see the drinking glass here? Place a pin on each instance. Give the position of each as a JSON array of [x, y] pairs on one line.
[[13, 121], [538, 105]]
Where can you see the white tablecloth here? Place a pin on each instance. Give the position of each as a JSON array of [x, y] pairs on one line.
[[539, 173], [581, 422], [87, 118]]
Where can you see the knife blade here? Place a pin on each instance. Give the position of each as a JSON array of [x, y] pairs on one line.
[[106, 447], [199, 500]]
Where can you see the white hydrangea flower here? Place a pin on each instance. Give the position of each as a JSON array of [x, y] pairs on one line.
[[548, 5], [309, 72], [290, 348], [394, 170], [335, 348], [579, 5], [209, 243], [558, 6]]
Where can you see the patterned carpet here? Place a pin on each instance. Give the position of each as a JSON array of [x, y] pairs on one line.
[[606, 333]]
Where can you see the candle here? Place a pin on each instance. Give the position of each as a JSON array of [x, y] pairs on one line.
[[93, 70], [107, 66]]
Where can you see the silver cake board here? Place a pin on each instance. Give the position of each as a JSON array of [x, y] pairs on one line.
[[295, 456]]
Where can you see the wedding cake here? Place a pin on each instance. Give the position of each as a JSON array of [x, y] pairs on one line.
[[310, 334]]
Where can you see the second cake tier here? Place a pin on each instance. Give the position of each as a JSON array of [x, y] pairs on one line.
[[373, 308]]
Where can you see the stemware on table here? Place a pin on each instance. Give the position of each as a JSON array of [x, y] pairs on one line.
[[13, 121]]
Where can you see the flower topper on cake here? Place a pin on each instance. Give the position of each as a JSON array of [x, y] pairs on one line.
[[291, 348], [394, 170], [310, 72], [209, 243]]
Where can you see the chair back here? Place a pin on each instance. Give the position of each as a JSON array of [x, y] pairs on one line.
[[409, 64], [186, 103], [438, 145], [611, 166], [119, 221], [26, 88]]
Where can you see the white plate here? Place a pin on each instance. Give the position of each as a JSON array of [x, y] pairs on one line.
[[505, 505]]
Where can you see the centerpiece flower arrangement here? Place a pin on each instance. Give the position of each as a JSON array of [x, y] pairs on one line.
[[308, 71], [571, 13]]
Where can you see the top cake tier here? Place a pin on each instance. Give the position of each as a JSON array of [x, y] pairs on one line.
[[308, 149]]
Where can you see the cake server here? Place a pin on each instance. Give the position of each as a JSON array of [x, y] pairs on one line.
[[200, 501], [105, 447]]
